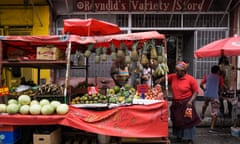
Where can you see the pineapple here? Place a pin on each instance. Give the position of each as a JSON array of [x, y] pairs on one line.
[[127, 56], [97, 57], [120, 52], [113, 52], [104, 54], [134, 54], [153, 51], [88, 51]]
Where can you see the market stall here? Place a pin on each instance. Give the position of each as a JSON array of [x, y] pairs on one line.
[[129, 121], [125, 115]]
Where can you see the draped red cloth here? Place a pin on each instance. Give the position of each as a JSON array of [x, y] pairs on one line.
[[143, 121]]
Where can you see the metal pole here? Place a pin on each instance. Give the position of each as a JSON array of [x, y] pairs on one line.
[[68, 51]]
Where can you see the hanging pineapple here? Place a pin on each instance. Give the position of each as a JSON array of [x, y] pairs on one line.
[[79, 58], [160, 51], [127, 56], [104, 54], [113, 52], [89, 50], [120, 52], [134, 54], [153, 51], [145, 48], [144, 58], [97, 56]]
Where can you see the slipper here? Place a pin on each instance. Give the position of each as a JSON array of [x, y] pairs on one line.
[[212, 131]]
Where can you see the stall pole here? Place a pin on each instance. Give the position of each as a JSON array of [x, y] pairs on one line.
[[166, 80], [68, 52]]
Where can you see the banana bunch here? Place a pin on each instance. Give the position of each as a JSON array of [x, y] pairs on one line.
[[161, 70]]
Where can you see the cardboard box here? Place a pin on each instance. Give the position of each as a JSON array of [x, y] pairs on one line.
[[49, 53], [10, 134], [53, 137]]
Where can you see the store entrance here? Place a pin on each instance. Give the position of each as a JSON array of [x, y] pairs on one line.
[[174, 50], [179, 47]]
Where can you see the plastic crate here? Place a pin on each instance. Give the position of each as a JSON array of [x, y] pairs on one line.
[[10, 135]]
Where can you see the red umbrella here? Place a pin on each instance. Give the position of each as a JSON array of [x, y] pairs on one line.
[[90, 27], [227, 46]]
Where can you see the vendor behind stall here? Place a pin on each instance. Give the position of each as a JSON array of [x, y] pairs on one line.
[[120, 72], [146, 76]]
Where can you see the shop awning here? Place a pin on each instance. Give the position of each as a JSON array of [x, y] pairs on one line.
[[79, 42]]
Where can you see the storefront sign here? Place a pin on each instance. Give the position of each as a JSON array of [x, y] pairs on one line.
[[141, 5]]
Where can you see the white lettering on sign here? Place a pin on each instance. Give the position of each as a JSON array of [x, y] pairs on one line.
[[190, 6], [141, 5], [111, 5]]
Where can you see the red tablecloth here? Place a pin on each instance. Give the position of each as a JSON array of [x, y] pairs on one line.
[[142, 121]]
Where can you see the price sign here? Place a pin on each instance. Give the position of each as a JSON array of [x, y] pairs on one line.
[[92, 90], [4, 91], [142, 88]]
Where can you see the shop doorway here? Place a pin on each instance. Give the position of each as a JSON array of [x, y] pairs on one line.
[[180, 46], [174, 50]]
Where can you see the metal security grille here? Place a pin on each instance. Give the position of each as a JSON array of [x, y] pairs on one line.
[[94, 70], [186, 20], [203, 66]]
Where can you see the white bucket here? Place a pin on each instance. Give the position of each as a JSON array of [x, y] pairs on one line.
[[103, 139], [235, 131]]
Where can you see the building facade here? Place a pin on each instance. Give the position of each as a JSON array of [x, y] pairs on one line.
[[18, 17], [188, 25]]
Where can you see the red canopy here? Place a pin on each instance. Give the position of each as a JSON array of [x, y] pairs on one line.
[[61, 41], [90, 27], [227, 46]]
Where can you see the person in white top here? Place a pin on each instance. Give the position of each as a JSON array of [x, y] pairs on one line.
[[146, 77]]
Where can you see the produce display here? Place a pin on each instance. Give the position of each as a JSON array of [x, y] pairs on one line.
[[45, 89], [114, 95], [25, 105], [120, 96], [149, 53]]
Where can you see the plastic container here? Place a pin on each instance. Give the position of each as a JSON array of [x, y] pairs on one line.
[[235, 131]]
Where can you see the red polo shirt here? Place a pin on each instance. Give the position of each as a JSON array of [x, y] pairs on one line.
[[182, 87]]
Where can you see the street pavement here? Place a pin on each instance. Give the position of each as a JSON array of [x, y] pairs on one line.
[[223, 127], [222, 136]]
